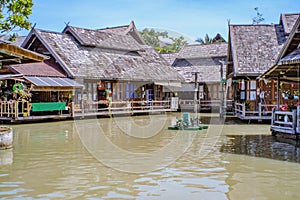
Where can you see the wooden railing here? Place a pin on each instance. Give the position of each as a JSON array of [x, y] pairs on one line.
[[16, 109], [102, 107], [12, 109], [263, 111], [286, 121]]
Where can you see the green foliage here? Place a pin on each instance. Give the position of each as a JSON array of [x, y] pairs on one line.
[[15, 13], [153, 38], [258, 18], [207, 40]]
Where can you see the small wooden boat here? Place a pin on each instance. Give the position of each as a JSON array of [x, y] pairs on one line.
[[187, 123], [6, 137]]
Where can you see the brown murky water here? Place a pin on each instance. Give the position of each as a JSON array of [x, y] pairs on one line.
[[138, 158]]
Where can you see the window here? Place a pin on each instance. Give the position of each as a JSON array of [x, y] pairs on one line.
[[130, 90], [251, 93]]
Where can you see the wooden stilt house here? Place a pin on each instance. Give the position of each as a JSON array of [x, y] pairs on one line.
[[201, 66], [252, 50], [119, 72], [286, 115]]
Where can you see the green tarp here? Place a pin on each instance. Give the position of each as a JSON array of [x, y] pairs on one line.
[[48, 106]]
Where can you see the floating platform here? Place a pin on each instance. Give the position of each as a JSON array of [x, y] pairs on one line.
[[187, 123], [191, 128]]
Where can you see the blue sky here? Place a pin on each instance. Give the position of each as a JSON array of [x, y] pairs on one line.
[[192, 18]]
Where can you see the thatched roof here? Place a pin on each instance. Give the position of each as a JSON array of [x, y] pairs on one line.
[[204, 59], [93, 54]]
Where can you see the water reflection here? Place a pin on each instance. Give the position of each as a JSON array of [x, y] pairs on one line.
[[266, 146], [6, 157], [51, 162]]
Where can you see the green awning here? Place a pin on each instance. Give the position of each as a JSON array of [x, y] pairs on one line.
[[48, 106]]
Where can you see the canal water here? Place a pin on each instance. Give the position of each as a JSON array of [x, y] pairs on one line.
[[138, 158]]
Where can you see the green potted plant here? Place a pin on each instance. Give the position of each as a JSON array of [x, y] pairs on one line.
[[247, 105]]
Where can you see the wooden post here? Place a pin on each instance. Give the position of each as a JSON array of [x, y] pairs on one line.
[[294, 119], [72, 109], [278, 92], [16, 109], [273, 116], [244, 109], [259, 109], [297, 120]]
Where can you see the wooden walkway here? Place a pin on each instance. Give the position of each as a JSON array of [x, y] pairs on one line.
[[19, 111]]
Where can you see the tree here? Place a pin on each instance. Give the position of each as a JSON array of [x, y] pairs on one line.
[[207, 40], [177, 44], [258, 18], [13, 14], [153, 38]]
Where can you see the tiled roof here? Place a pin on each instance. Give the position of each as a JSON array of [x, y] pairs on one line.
[[112, 63], [204, 50], [36, 69], [117, 30], [169, 57], [288, 21], [254, 48], [204, 59], [208, 69], [103, 39]]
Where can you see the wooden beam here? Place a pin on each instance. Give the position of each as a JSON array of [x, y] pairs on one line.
[[12, 50]]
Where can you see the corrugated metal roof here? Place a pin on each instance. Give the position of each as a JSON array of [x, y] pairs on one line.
[[292, 57], [10, 76], [52, 82], [37, 69]]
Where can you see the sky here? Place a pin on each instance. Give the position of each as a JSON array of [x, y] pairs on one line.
[[191, 18]]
